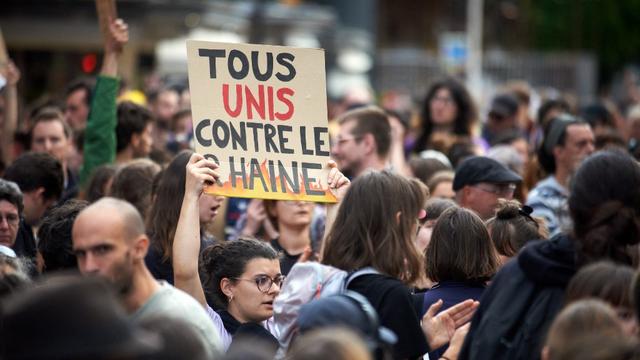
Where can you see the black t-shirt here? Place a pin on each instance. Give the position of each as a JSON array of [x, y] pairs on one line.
[[25, 244], [286, 260], [247, 332], [394, 304]]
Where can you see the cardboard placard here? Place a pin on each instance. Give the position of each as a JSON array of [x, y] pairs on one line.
[[4, 56], [106, 10], [260, 112]]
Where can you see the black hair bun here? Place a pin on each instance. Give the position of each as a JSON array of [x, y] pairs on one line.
[[508, 210]]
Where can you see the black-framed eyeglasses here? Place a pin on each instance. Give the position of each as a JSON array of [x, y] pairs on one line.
[[265, 282]]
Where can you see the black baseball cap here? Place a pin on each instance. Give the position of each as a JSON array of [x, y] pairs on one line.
[[478, 169], [504, 105]]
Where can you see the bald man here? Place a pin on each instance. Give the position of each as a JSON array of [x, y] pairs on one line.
[[109, 240]]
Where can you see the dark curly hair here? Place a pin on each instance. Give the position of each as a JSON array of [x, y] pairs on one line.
[[54, 236], [466, 111], [229, 260]]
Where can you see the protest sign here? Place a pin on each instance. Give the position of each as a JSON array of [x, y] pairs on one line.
[[260, 112], [106, 10], [4, 56]]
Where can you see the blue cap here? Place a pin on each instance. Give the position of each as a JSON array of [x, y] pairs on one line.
[[350, 310]]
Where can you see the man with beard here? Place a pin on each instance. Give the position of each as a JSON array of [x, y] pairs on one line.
[[363, 142], [109, 240], [567, 142]]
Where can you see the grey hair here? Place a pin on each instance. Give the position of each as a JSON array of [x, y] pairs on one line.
[[14, 274], [10, 192]]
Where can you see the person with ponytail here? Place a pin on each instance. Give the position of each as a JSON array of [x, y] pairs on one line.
[[513, 227], [242, 278], [527, 293]]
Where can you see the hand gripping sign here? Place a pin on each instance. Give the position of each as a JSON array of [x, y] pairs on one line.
[[260, 112]]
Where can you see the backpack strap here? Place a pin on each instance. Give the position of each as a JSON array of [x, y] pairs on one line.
[[358, 273]]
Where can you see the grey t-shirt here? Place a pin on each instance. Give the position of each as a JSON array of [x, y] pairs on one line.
[[173, 302]]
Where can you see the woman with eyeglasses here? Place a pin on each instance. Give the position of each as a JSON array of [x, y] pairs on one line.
[[242, 277]]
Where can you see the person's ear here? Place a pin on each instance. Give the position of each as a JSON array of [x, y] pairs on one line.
[[140, 246], [271, 208], [466, 193], [227, 288], [39, 194], [558, 151], [369, 142], [545, 353], [135, 140], [398, 216], [40, 199]]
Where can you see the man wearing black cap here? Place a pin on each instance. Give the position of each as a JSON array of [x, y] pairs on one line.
[[502, 117], [479, 183], [567, 142]]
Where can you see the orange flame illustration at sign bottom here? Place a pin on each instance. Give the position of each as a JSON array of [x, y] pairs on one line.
[[259, 190]]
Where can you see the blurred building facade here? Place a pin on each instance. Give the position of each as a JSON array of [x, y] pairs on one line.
[[385, 44]]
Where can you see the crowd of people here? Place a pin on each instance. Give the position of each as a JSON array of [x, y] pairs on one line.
[[455, 236]]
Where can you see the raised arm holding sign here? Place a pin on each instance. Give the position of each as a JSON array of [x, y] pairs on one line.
[[260, 112]]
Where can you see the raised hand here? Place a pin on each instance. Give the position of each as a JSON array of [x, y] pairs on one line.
[[256, 215], [11, 73], [119, 36], [455, 345], [338, 183], [113, 47], [440, 328], [200, 173]]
